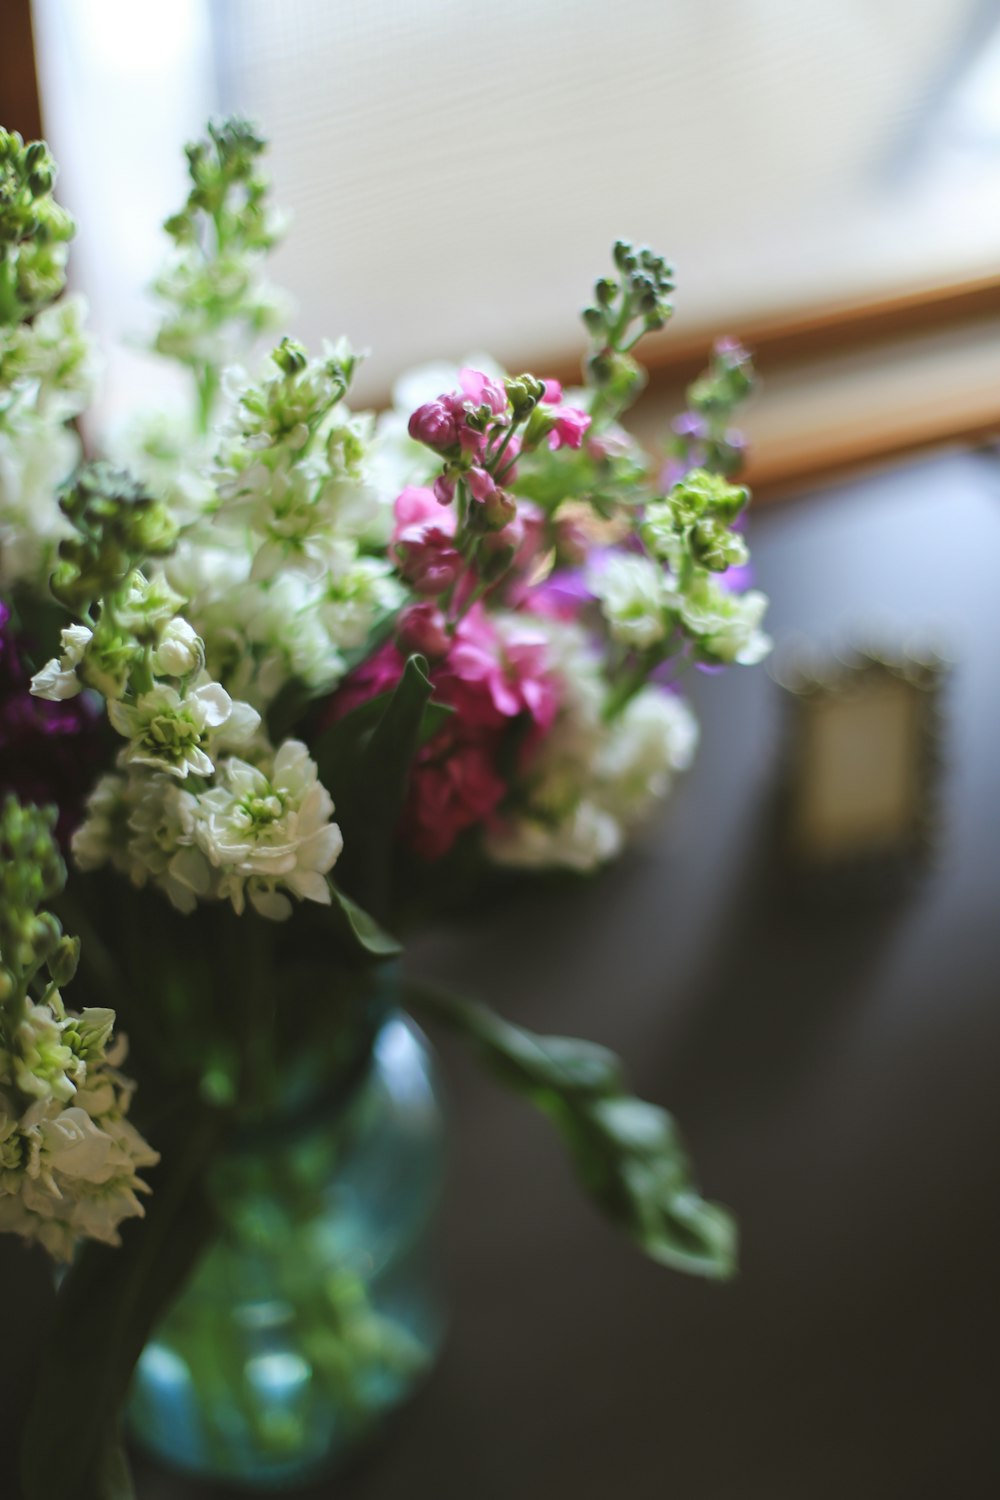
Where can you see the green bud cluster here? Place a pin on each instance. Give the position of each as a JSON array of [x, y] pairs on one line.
[[227, 188], [710, 442], [34, 229], [524, 393], [31, 873], [728, 380], [623, 309], [118, 525], [694, 522], [215, 294]]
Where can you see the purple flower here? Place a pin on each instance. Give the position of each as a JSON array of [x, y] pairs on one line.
[[49, 752]]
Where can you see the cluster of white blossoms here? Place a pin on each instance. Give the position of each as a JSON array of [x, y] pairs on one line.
[[185, 811], [69, 1156], [593, 778], [642, 602], [260, 832], [48, 374], [283, 565]]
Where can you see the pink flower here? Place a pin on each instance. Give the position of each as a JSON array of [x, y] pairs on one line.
[[444, 489], [489, 678], [422, 627], [553, 392], [454, 786], [436, 424], [481, 484], [422, 541], [571, 424], [418, 506], [482, 391]]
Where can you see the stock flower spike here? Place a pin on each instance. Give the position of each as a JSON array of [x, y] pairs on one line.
[[287, 676]]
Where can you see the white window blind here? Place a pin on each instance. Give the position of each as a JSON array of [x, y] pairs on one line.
[[457, 171]]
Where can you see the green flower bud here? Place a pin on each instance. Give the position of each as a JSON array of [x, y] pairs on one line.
[[45, 934], [499, 509], [701, 493], [541, 422], [90, 1031], [524, 393], [290, 357], [478, 417], [64, 960], [715, 547]]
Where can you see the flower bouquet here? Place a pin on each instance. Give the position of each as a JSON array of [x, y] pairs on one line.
[[277, 681]]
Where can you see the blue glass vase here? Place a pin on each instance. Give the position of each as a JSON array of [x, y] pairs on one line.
[[317, 1309]]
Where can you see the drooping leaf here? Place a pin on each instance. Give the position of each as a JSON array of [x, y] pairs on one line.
[[627, 1153], [358, 928]]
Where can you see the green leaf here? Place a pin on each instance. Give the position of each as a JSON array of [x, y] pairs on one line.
[[360, 929], [627, 1153], [365, 761], [107, 1306]]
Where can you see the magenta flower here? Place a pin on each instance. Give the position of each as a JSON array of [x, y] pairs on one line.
[[436, 424], [423, 541], [451, 790], [481, 484], [491, 680], [482, 391], [571, 424], [422, 627]]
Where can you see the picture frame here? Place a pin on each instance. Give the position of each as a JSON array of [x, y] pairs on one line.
[[859, 803]]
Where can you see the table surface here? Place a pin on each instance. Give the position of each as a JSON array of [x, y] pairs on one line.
[[834, 1073]]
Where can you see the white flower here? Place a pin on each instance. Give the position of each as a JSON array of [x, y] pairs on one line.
[[57, 680], [727, 624], [161, 838], [655, 735], [169, 733], [354, 602], [102, 835], [635, 598], [583, 839], [263, 830], [180, 650], [71, 1170]]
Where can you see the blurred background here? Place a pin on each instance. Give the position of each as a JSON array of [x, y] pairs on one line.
[[824, 177]]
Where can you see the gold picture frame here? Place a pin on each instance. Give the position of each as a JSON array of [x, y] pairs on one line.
[[860, 791]]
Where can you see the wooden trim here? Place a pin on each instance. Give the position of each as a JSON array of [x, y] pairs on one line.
[[821, 329], [20, 108], [786, 475]]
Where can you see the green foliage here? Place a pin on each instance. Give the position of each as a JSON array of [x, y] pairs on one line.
[[627, 1153], [213, 290], [365, 760], [118, 526], [106, 1308], [32, 873], [624, 309], [34, 229]]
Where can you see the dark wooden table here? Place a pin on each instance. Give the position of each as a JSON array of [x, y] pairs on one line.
[[835, 1074]]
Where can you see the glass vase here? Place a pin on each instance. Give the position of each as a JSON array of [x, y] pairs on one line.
[[317, 1309]]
